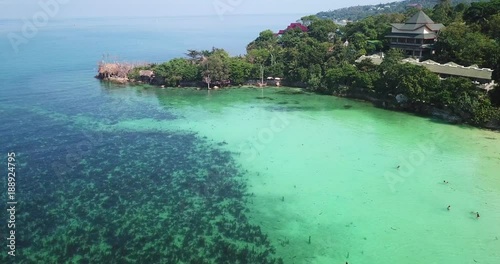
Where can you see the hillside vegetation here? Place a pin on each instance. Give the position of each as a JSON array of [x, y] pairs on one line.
[[355, 13]]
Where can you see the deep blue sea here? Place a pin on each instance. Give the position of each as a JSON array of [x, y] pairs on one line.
[[84, 194]]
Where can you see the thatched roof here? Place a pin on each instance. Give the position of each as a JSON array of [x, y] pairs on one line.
[[114, 69]]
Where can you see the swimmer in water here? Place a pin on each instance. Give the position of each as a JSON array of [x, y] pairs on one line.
[[449, 206], [477, 215], [445, 182]]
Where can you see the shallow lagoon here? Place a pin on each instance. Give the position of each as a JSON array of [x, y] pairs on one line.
[[319, 169]]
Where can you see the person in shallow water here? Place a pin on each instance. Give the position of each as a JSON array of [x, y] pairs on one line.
[[449, 206], [477, 215]]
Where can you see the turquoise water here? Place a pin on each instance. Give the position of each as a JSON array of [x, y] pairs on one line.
[[123, 174]]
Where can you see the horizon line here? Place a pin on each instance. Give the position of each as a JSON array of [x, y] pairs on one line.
[[166, 16]]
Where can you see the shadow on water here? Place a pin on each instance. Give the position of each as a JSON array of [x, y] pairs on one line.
[[264, 98], [293, 91], [291, 108], [447, 123], [277, 99], [132, 197]]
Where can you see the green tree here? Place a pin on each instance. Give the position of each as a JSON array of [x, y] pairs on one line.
[[367, 76], [240, 70], [266, 39], [476, 108], [323, 30], [458, 43], [276, 70], [392, 58], [171, 73], [451, 91], [494, 27], [291, 38], [443, 12], [365, 33], [216, 67], [413, 81], [341, 77], [495, 96], [481, 12], [308, 20]]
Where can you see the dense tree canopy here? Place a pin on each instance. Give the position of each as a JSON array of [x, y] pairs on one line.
[[459, 43], [172, 72]]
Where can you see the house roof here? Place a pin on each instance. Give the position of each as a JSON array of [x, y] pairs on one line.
[[408, 27], [461, 71], [412, 27], [452, 64], [293, 26], [298, 25], [454, 69], [417, 21], [435, 27], [375, 59], [419, 18], [430, 62], [449, 68]]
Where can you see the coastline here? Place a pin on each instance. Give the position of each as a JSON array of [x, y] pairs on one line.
[[419, 109]]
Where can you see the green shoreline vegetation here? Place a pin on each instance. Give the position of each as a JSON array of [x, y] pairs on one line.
[[322, 60]]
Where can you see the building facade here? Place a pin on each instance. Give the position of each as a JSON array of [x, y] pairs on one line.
[[416, 36]]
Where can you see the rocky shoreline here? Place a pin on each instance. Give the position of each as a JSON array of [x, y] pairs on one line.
[[420, 108]]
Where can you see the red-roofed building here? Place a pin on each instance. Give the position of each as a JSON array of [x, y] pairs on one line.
[[293, 26]]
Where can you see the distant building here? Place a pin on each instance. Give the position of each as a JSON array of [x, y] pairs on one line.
[[480, 76], [416, 36], [293, 26], [375, 58]]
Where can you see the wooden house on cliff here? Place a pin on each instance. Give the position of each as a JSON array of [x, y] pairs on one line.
[[416, 36]]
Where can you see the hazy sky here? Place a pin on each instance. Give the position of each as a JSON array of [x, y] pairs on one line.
[[26, 9]]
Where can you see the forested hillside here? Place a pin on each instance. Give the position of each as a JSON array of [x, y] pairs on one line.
[[355, 13]]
